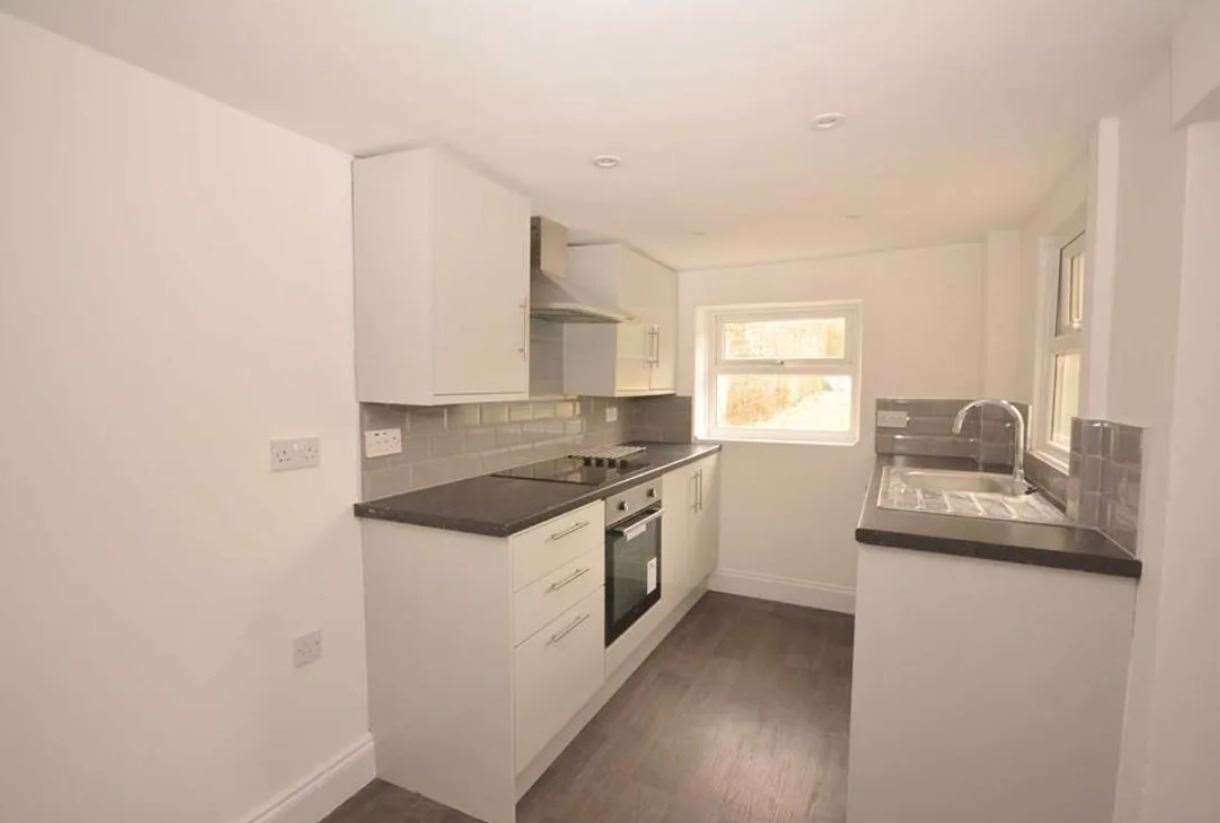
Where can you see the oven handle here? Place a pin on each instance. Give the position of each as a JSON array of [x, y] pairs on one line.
[[632, 530]]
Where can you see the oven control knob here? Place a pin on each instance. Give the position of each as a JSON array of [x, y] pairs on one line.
[[623, 506], [652, 492]]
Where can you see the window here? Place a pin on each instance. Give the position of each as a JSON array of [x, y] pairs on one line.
[[788, 373], [1063, 354]]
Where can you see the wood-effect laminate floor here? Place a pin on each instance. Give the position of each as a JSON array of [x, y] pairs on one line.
[[739, 715]]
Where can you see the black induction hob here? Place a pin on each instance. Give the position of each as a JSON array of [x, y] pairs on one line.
[[575, 470]]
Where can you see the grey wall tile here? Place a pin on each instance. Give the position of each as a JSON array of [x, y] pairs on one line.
[[987, 434], [446, 443], [425, 419], [1105, 470], [458, 417]]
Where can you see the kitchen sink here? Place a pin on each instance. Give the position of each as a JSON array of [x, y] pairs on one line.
[[963, 494], [954, 481]]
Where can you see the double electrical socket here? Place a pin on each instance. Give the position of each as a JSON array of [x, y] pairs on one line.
[[380, 442], [297, 453], [307, 648]]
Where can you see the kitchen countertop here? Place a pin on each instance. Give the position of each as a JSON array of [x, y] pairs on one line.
[[501, 506], [1037, 544]]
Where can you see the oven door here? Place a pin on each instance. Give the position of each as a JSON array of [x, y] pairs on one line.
[[633, 570]]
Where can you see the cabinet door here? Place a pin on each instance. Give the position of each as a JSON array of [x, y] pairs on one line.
[[480, 270], [706, 531], [676, 488], [665, 318], [557, 671], [633, 367]]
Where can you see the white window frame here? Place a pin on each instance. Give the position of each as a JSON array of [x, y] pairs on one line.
[[710, 363], [1052, 344]]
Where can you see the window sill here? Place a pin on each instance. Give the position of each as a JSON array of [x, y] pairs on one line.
[[1053, 459]]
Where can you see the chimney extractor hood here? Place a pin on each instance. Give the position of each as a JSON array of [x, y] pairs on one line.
[[551, 296]]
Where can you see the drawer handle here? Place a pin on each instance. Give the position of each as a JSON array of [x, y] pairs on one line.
[[560, 635], [559, 584], [568, 530]]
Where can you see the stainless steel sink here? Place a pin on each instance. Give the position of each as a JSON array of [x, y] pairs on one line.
[[934, 480], [963, 494]]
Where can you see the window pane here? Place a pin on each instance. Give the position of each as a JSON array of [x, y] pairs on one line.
[[814, 338], [788, 402], [1066, 398], [1070, 315]]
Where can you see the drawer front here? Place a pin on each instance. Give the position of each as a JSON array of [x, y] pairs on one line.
[[547, 546], [557, 671], [543, 600]]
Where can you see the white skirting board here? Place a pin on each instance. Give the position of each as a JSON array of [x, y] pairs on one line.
[[828, 596], [322, 792]]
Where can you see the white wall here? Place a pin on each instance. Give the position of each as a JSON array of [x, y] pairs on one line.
[[176, 291], [1005, 365], [1184, 740], [790, 511]]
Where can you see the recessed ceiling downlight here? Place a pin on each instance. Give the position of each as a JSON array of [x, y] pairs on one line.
[[607, 161], [828, 120]]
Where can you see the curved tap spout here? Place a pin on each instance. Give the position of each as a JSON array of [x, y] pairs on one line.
[[1018, 462]]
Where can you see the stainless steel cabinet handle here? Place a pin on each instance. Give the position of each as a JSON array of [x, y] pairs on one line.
[[525, 329], [559, 584], [699, 474], [656, 358], [694, 492], [568, 530], [571, 627]]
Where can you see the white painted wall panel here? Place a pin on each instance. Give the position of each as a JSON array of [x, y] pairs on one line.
[[176, 291]]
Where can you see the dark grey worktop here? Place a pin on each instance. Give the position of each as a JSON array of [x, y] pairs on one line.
[[500, 506], [1036, 544]]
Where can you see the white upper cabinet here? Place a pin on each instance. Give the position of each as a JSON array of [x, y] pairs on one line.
[[442, 282], [635, 357]]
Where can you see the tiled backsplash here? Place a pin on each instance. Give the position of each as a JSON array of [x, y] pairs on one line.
[[1103, 487], [662, 419], [446, 443], [987, 434]]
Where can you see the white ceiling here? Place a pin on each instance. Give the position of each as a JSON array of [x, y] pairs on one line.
[[961, 113]]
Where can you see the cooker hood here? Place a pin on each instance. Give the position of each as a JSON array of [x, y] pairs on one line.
[[552, 296]]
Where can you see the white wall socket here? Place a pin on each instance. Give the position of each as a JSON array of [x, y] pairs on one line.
[[611, 414], [380, 442], [307, 648], [297, 453], [892, 419]]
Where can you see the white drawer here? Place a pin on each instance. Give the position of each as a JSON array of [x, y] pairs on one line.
[[547, 546], [542, 601], [557, 671]]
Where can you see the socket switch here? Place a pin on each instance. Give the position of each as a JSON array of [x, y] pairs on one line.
[[611, 414], [380, 442], [297, 453], [307, 648]]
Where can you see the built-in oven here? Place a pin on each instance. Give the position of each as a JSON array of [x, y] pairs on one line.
[[633, 556]]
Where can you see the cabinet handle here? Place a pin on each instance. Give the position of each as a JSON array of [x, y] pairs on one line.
[[568, 530], [699, 474], [525, 329], [694, 492], [560, 635], [559, 584]]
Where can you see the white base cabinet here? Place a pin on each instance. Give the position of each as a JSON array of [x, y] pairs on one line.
[[985, 691], [486, 655]]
